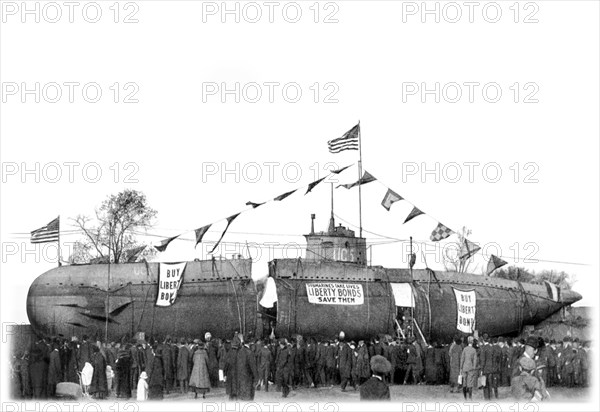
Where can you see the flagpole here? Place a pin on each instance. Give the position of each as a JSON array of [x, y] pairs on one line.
[[359, 182], [59, 254], [107, 286]]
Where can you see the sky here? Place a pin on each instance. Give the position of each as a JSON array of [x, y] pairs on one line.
[[485, 119]]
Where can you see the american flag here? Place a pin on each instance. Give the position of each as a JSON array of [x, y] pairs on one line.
[[48, 233], [349, 141]]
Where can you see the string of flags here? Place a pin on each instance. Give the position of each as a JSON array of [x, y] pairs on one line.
[[351, 141], [200, 232]]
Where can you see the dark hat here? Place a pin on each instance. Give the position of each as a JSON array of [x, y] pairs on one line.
[[532, 341], [380, 365], [576, 340], [201, 345], [236, 343], [552, 342], [566, 339], [526, 363], [501, 339]]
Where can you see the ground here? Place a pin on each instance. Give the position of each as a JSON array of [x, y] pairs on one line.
[[399, 393]]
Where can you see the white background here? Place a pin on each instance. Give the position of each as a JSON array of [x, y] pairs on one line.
[[174, 132]]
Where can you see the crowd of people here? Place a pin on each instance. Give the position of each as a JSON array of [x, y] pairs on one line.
[[148, 368]]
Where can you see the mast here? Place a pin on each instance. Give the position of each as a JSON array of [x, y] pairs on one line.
[[331, 220], [359, 182], [59, 257]]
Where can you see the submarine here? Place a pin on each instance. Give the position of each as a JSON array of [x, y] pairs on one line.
[[330, 289]]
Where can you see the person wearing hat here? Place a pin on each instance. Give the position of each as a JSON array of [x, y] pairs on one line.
[[240, 370], [213, 361], [200, 378], [469, 368], [282, 367], [375, 389], [526, 386], [454, 353], [156, 373], [182, 365], [362, 363], [344, 362], [551, 348]]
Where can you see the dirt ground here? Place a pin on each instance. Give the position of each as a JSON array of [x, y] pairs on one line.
[[399, 393]]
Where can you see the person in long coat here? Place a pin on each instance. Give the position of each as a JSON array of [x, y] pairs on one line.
[[212, 351], [282, 367], [55, 374], [469, 368], [25, 377], [241, 372], [362, 363], [263, 363], [156, 374], [345, 362], [183, 358], [167, 355], [454, 352], [72, 366], [430, 366], [123, 370], [38, 372], [200, 376], [99, 384]]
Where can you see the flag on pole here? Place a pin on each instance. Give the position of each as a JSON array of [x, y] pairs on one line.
[[413, 213], [495, 263], [440, 232], [349, 141], [468, 249], [200, 232], [390, 198], [229, 220], [162, 246], [313, 184], [367, 178], [48, 233]]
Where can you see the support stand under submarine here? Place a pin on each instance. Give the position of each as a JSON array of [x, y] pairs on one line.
[[332, 289]]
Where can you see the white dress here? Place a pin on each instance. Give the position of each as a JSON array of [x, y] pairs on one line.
[[142, 390]]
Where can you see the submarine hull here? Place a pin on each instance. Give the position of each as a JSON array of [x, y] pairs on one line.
[[314, 298]]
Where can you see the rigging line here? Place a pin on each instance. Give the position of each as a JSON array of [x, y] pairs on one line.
[[364, 230], [438, 245]]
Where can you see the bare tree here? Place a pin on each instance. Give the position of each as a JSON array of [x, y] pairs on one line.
[[117, 220], [451, 258]]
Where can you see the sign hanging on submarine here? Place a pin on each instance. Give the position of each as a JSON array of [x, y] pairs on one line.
[[169, 281], [332, 293], [466, 303]]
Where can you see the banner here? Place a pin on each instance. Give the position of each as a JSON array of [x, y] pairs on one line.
[[465, 310], [553, 291], [270, 294], [330, 293], [169, 281], [403, 295]]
